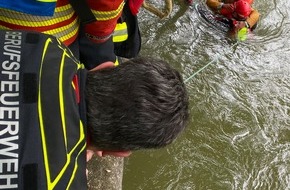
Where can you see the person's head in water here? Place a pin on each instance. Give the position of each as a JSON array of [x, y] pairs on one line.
[[242, 10], [139, 104]]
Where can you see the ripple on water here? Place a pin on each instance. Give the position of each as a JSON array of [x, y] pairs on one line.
[[239, 134]]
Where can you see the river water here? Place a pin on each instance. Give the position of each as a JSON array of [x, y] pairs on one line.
[[239, 133]]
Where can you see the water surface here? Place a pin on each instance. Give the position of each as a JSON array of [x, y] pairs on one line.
[[239, 133]]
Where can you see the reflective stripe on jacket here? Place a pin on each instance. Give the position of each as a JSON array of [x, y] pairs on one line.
[[42, 137]]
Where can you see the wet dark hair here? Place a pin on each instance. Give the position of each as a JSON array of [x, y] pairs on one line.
[[140, 104]]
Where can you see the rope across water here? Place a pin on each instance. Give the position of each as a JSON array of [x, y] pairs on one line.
[[205, 66], [242, 35]]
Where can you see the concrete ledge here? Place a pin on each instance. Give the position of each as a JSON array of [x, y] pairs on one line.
[[105, 173]]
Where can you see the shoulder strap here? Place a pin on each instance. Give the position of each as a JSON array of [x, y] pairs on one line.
[[83, 11]]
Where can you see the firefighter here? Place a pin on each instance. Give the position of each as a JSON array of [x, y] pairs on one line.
[[86, 40], [50, 105], [239, 12]]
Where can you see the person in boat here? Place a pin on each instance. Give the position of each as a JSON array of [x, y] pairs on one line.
[[239, 13]]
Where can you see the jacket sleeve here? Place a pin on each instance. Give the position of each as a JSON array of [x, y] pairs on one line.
[[96, 45], [253, 18], [107, 14]]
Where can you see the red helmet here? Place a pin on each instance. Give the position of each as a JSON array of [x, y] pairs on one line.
[[250, 1], [242, 8]]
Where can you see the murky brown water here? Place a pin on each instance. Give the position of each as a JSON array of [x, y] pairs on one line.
[[239, 135]]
